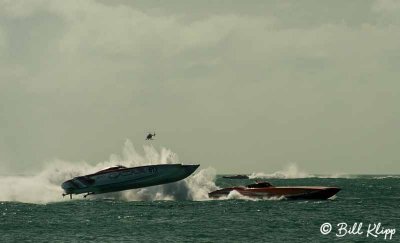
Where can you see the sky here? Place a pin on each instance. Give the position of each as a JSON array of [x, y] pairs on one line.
[[240, 86]]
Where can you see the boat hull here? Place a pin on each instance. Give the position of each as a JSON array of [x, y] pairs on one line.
[[128, 178], [319, 193]]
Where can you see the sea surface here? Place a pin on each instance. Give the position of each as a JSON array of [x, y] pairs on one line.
[[366, 199]]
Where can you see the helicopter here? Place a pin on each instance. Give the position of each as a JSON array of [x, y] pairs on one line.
[[150, 136]]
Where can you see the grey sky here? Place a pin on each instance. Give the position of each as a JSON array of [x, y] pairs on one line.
[[241, 86]]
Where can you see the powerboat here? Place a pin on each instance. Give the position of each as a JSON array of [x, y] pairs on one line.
[[119, 178], [235, 177], [265, 190]]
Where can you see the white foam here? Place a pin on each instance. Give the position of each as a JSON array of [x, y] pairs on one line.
[[387, 177], [235, 195], [292, 171]]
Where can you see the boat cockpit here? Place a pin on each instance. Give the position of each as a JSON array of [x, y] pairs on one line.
[[260, 184], [110, 169]]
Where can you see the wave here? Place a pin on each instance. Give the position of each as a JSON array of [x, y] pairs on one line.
[[291, 171], [44, 186]]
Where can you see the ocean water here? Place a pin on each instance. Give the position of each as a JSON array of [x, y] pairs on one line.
[[181, 212]]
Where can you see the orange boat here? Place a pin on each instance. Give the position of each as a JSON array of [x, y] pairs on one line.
[[265, 189]]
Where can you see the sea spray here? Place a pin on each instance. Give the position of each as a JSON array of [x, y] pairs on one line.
[[235, 195], [292, 171], [195, 187], [44, 187]]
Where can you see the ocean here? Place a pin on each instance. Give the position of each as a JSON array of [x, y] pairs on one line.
[[365, 210]]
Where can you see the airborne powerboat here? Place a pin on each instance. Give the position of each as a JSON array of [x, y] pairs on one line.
[[119, 178], [265, 189]]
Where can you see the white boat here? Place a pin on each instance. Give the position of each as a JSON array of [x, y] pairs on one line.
[[119, 178]]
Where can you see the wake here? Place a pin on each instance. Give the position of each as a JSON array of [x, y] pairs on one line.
[[235, 195]]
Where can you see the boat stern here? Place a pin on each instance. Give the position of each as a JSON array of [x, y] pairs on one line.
[[68, 187]]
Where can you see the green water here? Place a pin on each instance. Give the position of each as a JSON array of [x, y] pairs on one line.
[[366, 199]]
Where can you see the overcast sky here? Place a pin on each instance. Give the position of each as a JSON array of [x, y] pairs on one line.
[[240, 86]]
